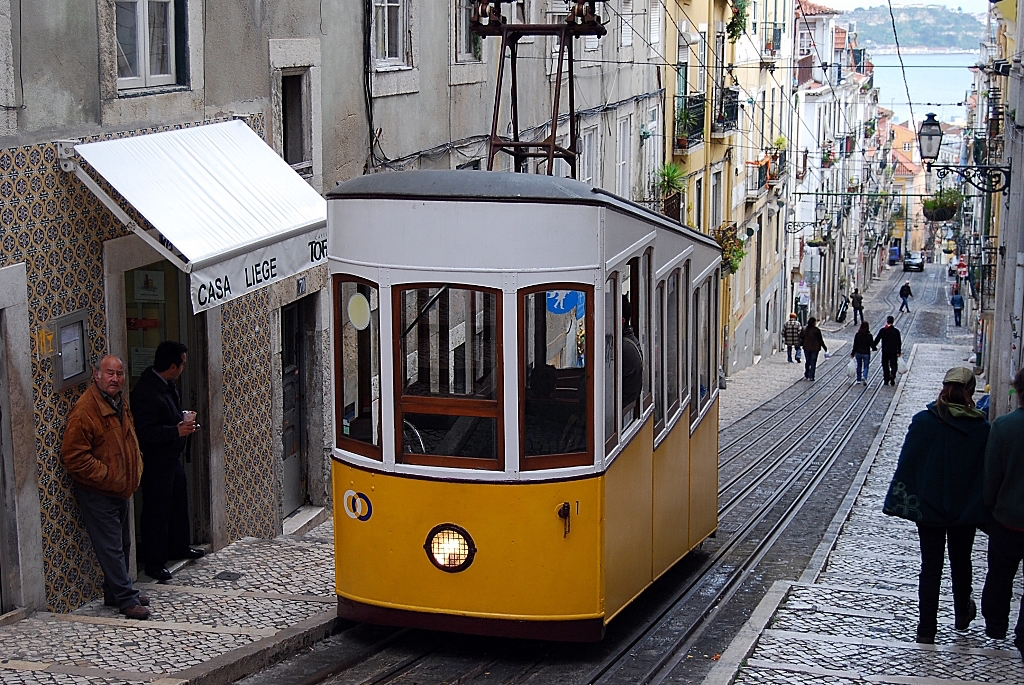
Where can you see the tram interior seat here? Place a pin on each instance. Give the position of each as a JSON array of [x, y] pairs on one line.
[[556, 404]]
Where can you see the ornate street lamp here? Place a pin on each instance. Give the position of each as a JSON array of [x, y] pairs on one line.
[[988, 179], [820, 213]]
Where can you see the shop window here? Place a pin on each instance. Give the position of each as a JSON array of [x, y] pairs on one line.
[[555, 383], [149, 35], [448, 392], [611, 376], [357, 366]]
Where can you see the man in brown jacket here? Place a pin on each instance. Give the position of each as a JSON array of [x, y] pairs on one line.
[[102, 455]]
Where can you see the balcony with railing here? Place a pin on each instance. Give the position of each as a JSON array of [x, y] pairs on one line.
[[777, 168], [771, 41], [727, 110], [689, 129], [757, 180]]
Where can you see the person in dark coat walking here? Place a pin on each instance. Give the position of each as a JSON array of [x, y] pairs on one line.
[[857, 302], [791, 337], [938, 485], [1004, 497], [892, 349], [163, 433], [863, 345], [957, 302], [813, 343], [905, 292]]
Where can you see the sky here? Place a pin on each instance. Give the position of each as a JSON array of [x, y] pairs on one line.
[[969, 6]]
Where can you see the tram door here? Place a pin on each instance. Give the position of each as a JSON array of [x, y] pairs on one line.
[[293, 382], [157, 308]]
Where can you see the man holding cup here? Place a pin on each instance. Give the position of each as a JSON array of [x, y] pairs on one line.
[[163, 431]]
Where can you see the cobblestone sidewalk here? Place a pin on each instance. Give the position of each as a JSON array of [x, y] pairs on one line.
[[207, 626], [855, 620]]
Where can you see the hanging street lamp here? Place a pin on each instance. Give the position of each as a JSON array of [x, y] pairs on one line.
[[988, 179]]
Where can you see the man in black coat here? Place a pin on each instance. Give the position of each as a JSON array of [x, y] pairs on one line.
[[892, 348], [163, 433]]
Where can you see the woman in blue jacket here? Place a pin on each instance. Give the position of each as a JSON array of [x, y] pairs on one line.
[[938, 485]]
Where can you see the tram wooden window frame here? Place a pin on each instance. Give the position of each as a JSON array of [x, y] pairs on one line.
[[342, 442], [447, 406], [660, 382], [611, 440], [554, 461]]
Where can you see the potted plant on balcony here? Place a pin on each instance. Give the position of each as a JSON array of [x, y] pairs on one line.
[[686, 124], [738, 22], [943, 204], [732, 247], [671, 180], [828, 158]]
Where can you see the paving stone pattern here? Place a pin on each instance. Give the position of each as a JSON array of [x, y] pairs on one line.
[[195, 617], [857, 622]]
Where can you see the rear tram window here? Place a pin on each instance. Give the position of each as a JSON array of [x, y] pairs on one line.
[[447, 406], [357, 360], [555, 383], [611, 333]]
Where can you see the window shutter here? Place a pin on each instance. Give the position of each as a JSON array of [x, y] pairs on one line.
[[656, 9], [627, 23]]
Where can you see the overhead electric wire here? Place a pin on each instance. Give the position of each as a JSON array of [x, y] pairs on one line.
[[903, 69]]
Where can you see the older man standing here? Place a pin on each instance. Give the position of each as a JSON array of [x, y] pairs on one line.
[[101, 453]]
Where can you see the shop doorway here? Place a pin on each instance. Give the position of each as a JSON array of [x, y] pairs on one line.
[[293, 384], [157, 308]]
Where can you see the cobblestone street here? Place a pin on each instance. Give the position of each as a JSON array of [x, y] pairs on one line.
[[855, 620]]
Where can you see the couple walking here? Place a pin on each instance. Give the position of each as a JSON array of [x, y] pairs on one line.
[[957, 474], [807, 340], [892, 348]]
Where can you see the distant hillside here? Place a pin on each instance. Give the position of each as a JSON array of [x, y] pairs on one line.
[[931, 26]]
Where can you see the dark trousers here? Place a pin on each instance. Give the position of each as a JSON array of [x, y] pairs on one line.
[[933, 544], [107, 522], [956, 316], [890, 366], [810, 364], [164, 521], [858, 312], [789, 352], [1005, 552]]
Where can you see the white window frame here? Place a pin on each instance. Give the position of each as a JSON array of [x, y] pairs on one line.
[[702, 62], [652, 149], [626, 24], [293, 56], [624, 148], [717, 193], [404, 52], [656, 24], [587, 160], [462, 10], [145, 79]]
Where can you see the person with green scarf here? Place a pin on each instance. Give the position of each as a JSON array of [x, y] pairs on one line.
[[938, 485]]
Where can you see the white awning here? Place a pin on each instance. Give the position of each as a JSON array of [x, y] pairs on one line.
[[227, 209]]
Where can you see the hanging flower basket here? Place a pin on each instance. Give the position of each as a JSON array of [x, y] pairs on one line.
[[816, 242], [938, 213]]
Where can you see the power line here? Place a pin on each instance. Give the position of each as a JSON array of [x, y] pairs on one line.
[[903, 69]]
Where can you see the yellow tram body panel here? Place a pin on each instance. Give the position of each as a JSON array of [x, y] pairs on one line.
[[526, 567], [627, 526]]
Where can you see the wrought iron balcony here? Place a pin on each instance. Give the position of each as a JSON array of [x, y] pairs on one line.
[[757, 180], [689, 129], [771, 41], [727, 109], [777, 168]]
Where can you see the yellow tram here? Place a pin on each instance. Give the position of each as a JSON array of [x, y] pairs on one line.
[[525, 398]]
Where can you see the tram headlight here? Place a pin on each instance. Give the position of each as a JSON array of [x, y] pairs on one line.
[[450, 548]]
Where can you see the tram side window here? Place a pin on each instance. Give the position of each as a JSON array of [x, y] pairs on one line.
[[658, 358], [672, 342], [357, 355], [611, 334], [635, 381], [685, 329], [447, 404], [555, 429], [704, 342], [696, 365]]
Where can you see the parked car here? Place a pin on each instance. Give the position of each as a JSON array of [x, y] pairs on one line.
[[914, 261]]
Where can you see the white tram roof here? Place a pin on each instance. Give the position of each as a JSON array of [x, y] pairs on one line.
[[494, 221]]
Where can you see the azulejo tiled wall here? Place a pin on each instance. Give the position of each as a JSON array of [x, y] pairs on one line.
[[248, 455], [51, 222]]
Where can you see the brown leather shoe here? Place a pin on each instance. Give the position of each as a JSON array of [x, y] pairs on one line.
[[136, 611], [108, 601]]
